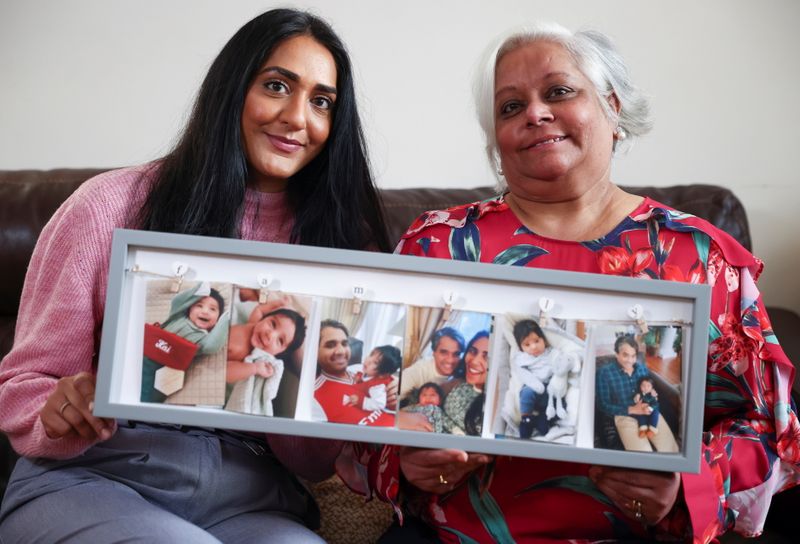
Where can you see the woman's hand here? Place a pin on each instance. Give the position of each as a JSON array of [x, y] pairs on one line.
[[438, 471], [651, 494], [68, 410]]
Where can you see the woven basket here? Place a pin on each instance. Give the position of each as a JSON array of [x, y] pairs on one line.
[[346, 518]]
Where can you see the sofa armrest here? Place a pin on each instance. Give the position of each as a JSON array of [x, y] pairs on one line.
[[786, 326]]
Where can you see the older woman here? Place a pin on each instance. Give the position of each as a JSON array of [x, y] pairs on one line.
[[554, 106]]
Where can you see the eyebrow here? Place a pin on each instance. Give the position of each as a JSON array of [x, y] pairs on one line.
[[549, 75], [288, 74]]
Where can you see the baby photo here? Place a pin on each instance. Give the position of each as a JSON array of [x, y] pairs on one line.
[[538, 385], [444, 371], [186, 334], [265, 352], [637, 388], [358, 359]]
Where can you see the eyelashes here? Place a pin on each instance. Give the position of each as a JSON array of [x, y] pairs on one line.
[[555, 93], [279, 87]]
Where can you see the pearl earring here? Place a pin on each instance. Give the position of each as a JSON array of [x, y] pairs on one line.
[[619, 133]]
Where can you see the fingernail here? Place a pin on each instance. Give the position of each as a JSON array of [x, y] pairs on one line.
[[91, 406], [105, 434]]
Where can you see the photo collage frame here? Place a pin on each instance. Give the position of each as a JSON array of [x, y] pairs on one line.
[[385, 348]]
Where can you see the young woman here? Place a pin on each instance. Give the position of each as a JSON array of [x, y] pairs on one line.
[[273, 151]]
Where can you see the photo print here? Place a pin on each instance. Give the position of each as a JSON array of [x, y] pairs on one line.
[[358, 359], [445, 369], [638, 387], [539, 378], [185, 341], [265, 352]]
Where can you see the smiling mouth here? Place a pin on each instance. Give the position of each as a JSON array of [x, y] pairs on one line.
[[547, 142], [286, 145]]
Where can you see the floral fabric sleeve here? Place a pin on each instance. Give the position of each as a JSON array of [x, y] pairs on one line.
[[752, 432], [371, 470]]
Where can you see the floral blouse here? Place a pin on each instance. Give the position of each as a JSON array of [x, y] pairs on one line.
[[751, 441]]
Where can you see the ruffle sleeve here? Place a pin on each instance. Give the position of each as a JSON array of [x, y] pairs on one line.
[[752, 440]]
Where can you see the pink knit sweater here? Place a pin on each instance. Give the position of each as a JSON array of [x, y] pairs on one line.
[[61, 309]]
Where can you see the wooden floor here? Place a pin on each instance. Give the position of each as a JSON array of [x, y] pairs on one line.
[[669, 369]]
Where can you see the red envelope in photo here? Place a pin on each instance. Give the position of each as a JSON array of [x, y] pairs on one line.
[[167, 348]]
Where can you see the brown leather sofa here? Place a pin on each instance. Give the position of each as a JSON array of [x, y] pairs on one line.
[[29, 197]]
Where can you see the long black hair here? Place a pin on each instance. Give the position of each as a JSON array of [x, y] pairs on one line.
[[200, 186], [461, 368]]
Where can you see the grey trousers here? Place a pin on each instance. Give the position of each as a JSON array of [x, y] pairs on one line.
[[158, 484]]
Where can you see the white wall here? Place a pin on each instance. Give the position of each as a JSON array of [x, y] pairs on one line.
[[108, 83]]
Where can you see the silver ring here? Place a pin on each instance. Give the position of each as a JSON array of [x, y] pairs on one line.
[[64, 407]]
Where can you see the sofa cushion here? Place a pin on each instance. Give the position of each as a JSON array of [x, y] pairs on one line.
[[716, 204], [28, 198]]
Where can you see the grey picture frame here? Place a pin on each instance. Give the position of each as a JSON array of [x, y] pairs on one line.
[[394, 272]]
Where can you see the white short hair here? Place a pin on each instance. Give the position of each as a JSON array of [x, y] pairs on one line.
[[596, 57]]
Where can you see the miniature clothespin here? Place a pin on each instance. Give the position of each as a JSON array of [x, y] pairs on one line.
[[179, 270], [636, 312], [449, 298], [263, 283], [358, 295], [546, 305]]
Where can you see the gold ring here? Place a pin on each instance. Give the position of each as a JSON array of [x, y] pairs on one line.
[[64, 407], [638, 510], [442, 480]]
